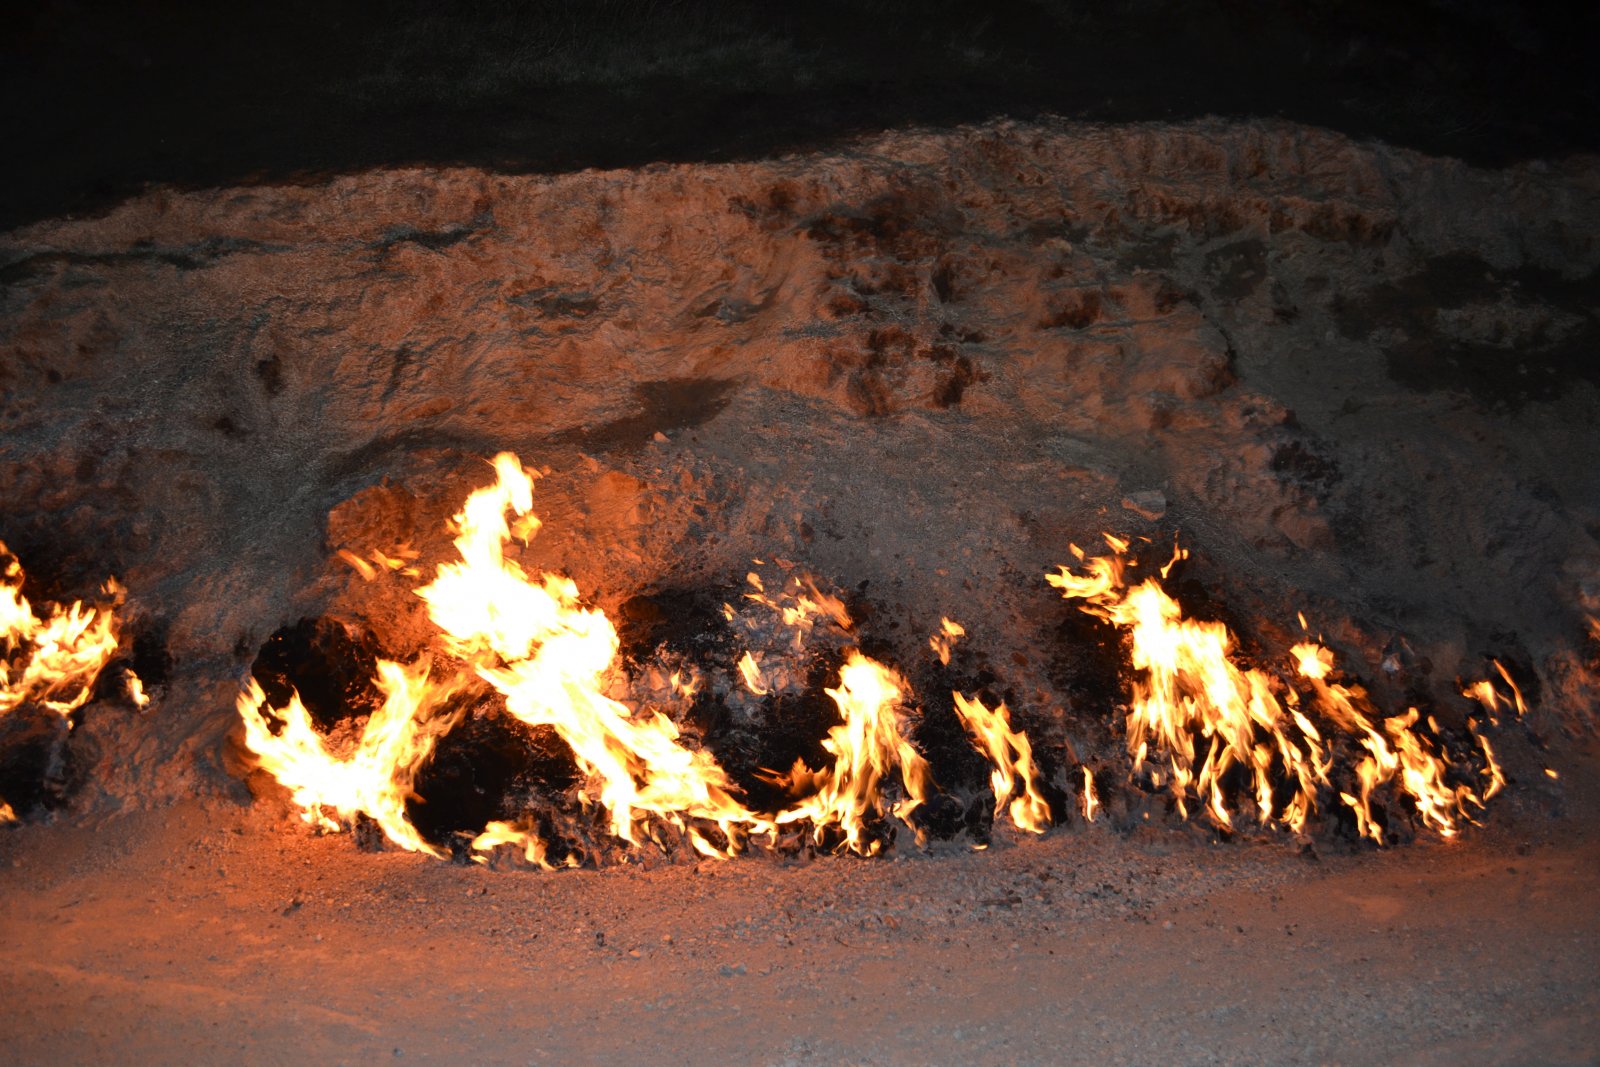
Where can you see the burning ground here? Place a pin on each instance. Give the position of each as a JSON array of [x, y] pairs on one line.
[[1351, 382]]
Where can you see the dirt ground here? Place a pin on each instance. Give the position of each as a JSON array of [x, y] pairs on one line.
[[206, 933], [1355, 380]]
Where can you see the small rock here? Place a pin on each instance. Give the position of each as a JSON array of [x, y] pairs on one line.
[[1148, 503], [635, 953], [728, 972], [660, 438]]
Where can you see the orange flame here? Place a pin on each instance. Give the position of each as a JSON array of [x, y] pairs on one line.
[[375, 777], [53, 660], [1011, 756], [943, 641], [867, 746]]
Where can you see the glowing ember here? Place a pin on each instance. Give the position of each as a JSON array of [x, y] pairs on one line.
[[1014, 778], [53, 660]]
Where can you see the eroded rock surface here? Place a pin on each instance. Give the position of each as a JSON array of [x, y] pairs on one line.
[[1360, 382]]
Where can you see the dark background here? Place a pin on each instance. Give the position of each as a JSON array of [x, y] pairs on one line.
[[104, 97]]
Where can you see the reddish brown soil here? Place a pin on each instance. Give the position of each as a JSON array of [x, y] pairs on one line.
[[211, 933]]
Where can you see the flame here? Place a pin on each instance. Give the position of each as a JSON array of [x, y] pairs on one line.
[[867, 746], [1011, 755], [6, 814], [522, 834], [1485, 692], [1212, 732], [375, 777], [1207, 718], [52, 660], [943, 641], [548, 655], [1193, 707], [136, 693], [751, 673]]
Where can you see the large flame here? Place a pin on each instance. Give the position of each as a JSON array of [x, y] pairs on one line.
[[549, 656]]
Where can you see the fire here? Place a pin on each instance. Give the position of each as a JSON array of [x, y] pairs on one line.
[[374, 777], [943, 641], [1014, 778], [54, 659], [867, 746], [549, 656], [1193, 708], [750, 671], [1199, 718], [1216, 734]]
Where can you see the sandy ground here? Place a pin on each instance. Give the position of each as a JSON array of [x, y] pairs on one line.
[[1355, 380], [220, 933]]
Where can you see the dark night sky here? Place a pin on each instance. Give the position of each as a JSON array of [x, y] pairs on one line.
[[108, 96]]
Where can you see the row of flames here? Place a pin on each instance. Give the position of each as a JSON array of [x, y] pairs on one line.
[[1218, 737]]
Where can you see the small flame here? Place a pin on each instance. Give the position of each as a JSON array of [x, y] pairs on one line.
[[943, 641], [52, 660], [751, 673], [136, 693], [1014, 778], [522, 834], [1091, 802]]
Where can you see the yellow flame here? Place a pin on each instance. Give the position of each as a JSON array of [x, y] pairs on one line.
[[52, 660], [1192, 705], [1205, 716], [867, 746], [751, 673], [1091, 802], [521, 834], [943, 641], [1014, 777], [375, 777]]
